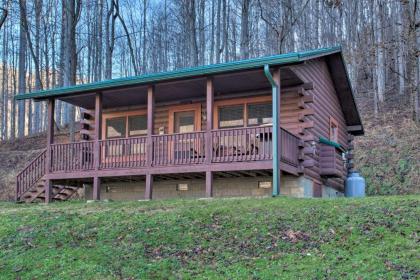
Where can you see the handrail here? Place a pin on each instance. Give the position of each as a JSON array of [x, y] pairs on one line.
[[331, 143], [240, 128], [122, 138], [72, 143], [178, 133], [30, 163], [32, 172]]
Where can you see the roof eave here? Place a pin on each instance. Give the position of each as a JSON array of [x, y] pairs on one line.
[[159, 77], [283, 59], [361, 131]]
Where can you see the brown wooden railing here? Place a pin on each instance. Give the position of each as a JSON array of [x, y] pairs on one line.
[[180, 148], [289, 148], [31, 174], [123, 153], [76, 156], [229, 145], [242, 144]]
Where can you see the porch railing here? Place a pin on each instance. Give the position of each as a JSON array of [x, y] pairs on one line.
[[76, 156], [228, 145], [242, 144], [123, 153], [289, 148], [180, 148]]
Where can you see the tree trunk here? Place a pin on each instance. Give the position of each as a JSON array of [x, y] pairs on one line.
[[380, 51], [127, 34], [109, 40], [201, 28], [144, 47], [245, 29], [218, 30], [71, 10], [21, 75]]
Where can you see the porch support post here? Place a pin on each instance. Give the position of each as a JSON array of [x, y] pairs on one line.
[[150, 129], [97, 148], [150, 121], [98, 128], [208, 139], [275, 84], [149, 186], [96, 188], [50, 141], [209, 184]]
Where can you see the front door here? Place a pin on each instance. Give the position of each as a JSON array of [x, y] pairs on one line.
[[184, 122]]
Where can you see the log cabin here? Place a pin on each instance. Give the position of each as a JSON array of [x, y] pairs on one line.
[[276, 125]]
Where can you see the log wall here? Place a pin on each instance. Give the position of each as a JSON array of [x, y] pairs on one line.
[[325, 105]]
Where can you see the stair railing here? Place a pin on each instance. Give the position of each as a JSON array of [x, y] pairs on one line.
[[31, 174]]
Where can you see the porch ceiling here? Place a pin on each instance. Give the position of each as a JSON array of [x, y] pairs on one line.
[[184, 90]]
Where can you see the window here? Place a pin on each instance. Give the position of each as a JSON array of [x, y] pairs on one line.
[[259, 114], [231, 116], [264, 185], [184, 121], [333, 130], [122, 127], [137, 125], [182, 187], [115, 128]]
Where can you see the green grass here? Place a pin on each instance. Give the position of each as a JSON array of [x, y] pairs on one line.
[[372, 238]]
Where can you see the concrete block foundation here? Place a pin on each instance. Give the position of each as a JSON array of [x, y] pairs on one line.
[[294, 186]]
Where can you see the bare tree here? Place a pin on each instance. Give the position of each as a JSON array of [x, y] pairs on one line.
[[380, 50], [71, 10], [245, 29], [110, 39], [127, 34], [22, 72]]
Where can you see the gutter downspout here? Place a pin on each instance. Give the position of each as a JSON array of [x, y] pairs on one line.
[[276, 130]]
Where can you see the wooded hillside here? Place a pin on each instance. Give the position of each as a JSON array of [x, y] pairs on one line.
[[51, 43]]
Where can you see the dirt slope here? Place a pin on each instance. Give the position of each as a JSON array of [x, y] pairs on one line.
[[14, 156], [389, 154]]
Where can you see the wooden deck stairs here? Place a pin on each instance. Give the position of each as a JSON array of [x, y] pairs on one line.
[[37, 193], [31, 184]]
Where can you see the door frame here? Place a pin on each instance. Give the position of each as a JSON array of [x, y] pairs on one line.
[[196, 107]]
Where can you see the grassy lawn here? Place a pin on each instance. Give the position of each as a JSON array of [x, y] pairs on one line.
[[270, 238]]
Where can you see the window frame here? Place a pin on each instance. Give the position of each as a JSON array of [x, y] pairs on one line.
[[106, 127], [232, 105], [128, 126], [121, 114], [244, 101], [257, 103], [196, 107], [333, 123]]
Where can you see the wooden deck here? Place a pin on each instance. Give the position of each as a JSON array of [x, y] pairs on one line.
[[231, 149]]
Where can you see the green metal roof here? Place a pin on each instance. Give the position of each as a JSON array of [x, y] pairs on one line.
[[182, 73]]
